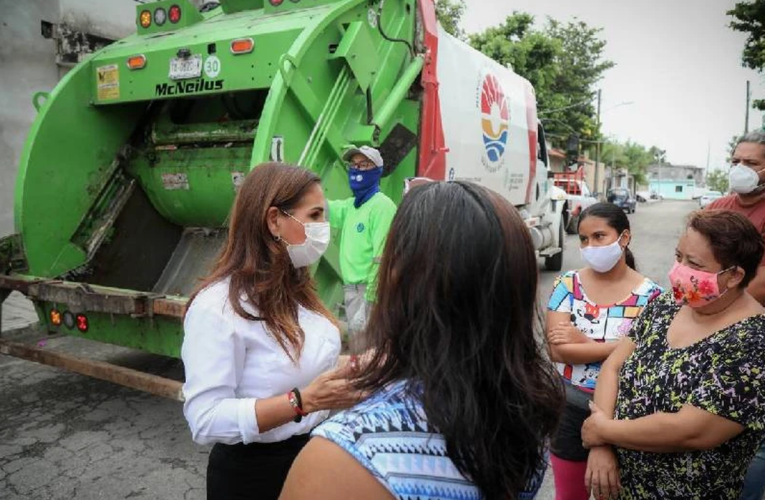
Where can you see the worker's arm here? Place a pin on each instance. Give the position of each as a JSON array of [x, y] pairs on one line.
[[687, 430], [757, 286], [337, 212], [381, 220]]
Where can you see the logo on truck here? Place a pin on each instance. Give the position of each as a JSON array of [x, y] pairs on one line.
[[179, 88], [495, 122]]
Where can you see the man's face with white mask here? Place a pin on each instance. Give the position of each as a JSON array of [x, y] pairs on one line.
[[750, 155]]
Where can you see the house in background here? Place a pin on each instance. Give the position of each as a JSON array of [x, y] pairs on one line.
[[620, 178], [676, 182], [557, 159]]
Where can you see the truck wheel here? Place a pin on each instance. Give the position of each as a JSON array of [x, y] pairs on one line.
[[573, 225], [555, 262]]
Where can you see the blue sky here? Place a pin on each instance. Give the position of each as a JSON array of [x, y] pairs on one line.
[[677, 62]]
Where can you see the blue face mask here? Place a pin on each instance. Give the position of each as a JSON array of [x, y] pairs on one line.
[[364, 183]]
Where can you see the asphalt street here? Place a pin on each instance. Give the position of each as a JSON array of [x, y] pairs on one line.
[[66, 436]]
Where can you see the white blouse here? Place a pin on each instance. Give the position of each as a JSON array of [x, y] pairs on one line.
[[230, 362]]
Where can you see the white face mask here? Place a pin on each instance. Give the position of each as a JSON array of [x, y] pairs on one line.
[[316, 243], [742, 179], [603, 259]]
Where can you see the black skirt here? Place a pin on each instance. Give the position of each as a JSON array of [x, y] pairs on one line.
[[255, 471], [567, 441]]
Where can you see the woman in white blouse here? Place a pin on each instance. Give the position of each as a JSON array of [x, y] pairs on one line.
[[260, 349]]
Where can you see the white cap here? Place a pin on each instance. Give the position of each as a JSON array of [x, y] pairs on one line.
[[372, 155]]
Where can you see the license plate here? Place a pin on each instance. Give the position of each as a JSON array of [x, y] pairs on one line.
[[184, 68]]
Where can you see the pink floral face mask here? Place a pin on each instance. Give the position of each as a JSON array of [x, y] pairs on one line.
[[695, 288]]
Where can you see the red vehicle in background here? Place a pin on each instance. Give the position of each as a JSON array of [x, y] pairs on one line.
[[578, 196]]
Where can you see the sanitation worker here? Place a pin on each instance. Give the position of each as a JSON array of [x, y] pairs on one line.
[[363, 221]]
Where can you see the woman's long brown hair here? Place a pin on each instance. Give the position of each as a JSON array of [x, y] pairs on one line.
[[259, 266], [456, 318]]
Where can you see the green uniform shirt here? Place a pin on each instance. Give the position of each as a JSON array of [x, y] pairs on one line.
[[362, 237]]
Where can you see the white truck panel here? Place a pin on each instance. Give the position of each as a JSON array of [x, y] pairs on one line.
[[489, 121]]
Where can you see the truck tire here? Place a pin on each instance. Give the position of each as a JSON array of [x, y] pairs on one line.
[[555, 262]]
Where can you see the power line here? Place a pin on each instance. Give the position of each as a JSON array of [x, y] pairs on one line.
[[566, 107]]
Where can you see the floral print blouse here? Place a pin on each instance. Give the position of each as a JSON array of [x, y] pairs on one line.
[[723, 374]]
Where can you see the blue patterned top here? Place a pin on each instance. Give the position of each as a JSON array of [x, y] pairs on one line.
[[389, 435]]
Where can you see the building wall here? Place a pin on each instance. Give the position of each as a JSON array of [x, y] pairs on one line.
[[679, 173], [28, 62], [674, 190]]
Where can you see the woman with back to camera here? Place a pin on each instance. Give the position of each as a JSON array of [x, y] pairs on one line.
[[588, 312], [682, 398], [463, 397], [259, 345]]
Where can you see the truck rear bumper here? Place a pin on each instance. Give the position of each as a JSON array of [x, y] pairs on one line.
[[127, 377], [127, 318], [93, 298]]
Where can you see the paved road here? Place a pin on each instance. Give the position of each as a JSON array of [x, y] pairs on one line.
[[65, 436]]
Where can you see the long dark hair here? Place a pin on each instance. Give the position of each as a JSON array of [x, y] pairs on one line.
[[258, 265], [456, 316], [615, 218]]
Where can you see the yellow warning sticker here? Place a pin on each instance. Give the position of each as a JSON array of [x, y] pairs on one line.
[[108, 82]]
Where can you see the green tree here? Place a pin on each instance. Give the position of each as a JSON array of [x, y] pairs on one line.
[[633, 157], [717, 180], [449, 14], [530, 53], [583, 65], [749, 17], [563, 62], [658, 156], [639, 158]]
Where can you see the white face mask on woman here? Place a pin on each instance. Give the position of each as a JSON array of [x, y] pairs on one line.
[[317, 237], [603, 259]]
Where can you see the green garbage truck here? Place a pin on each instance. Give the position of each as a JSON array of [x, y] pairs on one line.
[[132, 164]]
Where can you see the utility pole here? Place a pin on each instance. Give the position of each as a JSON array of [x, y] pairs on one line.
[[597, 148], [748, 97], [706, 174]]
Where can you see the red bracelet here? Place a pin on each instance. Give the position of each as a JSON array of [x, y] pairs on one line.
[[296, 406]]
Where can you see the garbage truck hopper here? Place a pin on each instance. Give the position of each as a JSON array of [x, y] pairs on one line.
[[134, 159]]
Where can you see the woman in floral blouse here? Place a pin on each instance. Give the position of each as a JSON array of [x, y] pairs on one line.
[[682, 399]]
